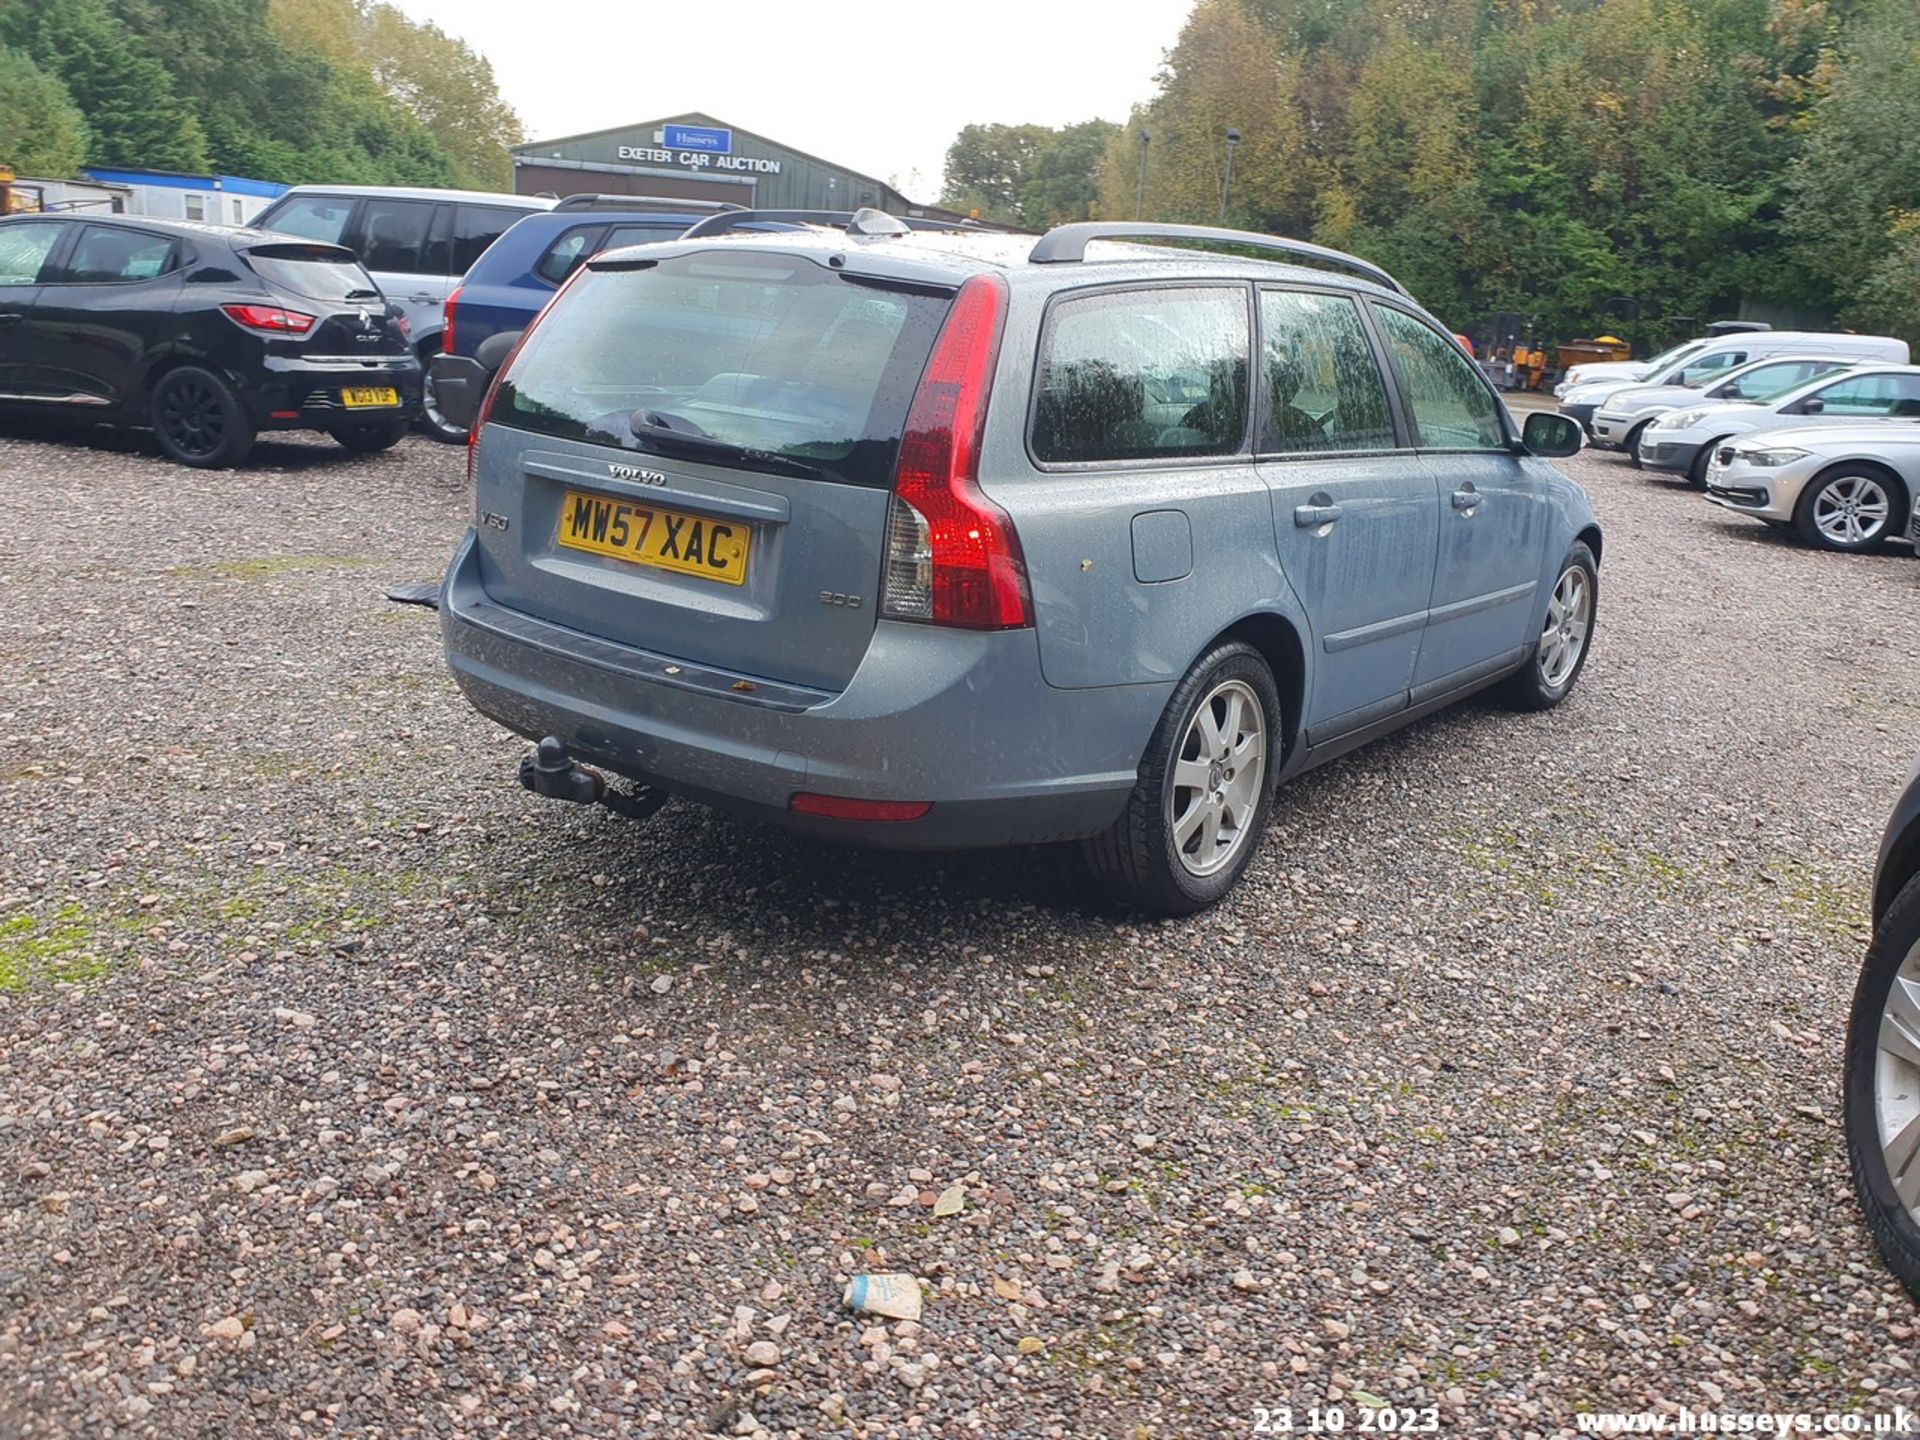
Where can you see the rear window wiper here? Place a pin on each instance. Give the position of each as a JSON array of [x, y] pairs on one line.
[[666, 437]]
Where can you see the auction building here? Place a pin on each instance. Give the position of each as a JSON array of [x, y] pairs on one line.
[[696, 157]]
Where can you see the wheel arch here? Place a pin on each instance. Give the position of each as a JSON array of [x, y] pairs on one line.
[[1279, 642], [1901, 865], [1880, 471], [1589, 536]]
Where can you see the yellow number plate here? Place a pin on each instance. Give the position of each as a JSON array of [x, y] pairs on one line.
[[368, 399], [648, 535]]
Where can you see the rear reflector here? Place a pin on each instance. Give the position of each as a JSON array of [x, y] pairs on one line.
[[841, 807], [269, 318]]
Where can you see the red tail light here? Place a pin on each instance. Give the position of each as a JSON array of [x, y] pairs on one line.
[[446, 335], [842, 807], [269, 319], [952, 557]]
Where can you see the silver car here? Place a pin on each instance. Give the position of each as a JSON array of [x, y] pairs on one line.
[[1843, 487], [1623, 417], [1683, 442], [927, 540]]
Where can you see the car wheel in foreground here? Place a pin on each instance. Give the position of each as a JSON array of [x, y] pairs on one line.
[[431, 421], [1697, 472], [1204, 792], [1851, 507], [1882, 1090], [1632, 445], [1566, 634], [198, 420], [367, 439]]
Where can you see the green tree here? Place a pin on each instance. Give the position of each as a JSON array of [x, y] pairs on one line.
[[42, 131], [447, 87], [133, 115], [987, 165]]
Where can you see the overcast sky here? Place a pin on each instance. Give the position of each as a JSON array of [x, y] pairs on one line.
[[880, 86]]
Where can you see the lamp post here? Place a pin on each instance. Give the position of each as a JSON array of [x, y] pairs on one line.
[[1226, 181], [1140, 193]]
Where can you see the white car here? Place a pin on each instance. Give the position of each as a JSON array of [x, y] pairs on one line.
[[1683, 441], [1843, 487], [1625, 415]]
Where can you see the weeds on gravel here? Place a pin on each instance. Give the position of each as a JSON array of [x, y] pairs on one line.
[[60, 947]]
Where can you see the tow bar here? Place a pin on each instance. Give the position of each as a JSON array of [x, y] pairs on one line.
[[551, 772]]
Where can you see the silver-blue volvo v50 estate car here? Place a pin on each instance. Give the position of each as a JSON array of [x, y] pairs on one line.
[[932, 539]]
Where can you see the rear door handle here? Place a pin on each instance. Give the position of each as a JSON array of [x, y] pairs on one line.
[[1308, 516], [9, 319], [1466, 499], [424, 298]]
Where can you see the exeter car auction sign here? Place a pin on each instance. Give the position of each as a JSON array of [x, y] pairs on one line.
[[697, 147]]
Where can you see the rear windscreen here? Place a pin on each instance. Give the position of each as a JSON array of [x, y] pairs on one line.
[[319, 273], [774, 355]]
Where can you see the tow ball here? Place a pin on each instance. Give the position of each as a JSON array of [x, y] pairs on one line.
[[552, 772]]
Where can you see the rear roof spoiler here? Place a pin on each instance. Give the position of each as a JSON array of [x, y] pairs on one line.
[[645, 202], [1067, 244]]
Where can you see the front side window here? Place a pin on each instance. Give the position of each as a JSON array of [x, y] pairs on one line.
[[1143, 374], [1324, 388], [1871, 395], [1708, 367], [1764, 382], [105, 254], [313, 217], [760, 361], [1452, 407], [393, 236], [24, 249]]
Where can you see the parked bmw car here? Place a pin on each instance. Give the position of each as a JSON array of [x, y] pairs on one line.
[[1623, 417], [1843, 487], [1683, 442], [209, 335], [1881, 1094], [941, 540]]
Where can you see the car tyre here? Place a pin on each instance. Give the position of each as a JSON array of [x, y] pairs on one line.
[[1204, 791], [1697, 471], [431, 422], [1889, 1079], [370, 439], [1852, 507], [1632, 444], [198, 420], [1566, 635]]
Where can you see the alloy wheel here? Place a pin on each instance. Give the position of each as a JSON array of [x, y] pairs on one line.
[[1563, 639], [1217, 778], [192, 415], [1852, 510], [1896, 1082]]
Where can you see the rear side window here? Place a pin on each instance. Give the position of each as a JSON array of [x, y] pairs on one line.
[[393, 236], [24, 249], [753, 359], [104, 255], [1143, 374], [475, 227], [1452, 407], [315, 272], [1709, 367], [313, 217], [1324, 387], [576, 247]]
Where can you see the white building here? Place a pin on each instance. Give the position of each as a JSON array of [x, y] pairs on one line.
[[216, 199]]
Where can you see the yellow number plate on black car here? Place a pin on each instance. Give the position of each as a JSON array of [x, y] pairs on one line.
[[648, 535], [369, 399]]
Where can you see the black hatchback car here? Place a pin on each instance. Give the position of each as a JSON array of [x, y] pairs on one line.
[[208, 335]]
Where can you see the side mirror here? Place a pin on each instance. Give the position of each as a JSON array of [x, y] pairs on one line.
[[1812, 405], [1551, 436], [492, 352]]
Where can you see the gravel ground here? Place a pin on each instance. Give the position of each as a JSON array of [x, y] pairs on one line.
[[346, 1089]]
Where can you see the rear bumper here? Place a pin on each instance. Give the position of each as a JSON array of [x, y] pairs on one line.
[[961, 719], [1676, 456], [306, 393], [1581, 415]]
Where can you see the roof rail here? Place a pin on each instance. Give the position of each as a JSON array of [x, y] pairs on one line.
[[864, 221], [1068, 244], [603, 201]]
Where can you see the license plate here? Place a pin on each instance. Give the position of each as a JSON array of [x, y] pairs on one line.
[[370, 398], [648, 535]]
